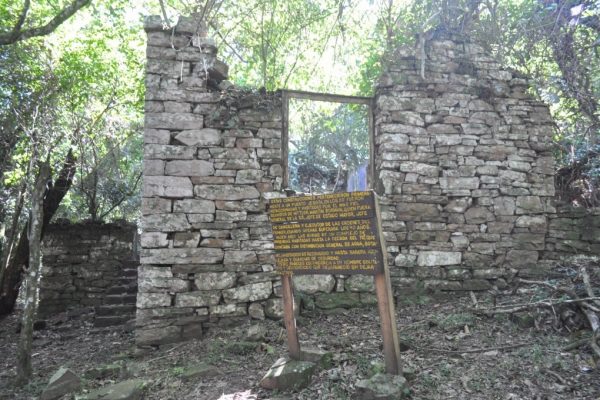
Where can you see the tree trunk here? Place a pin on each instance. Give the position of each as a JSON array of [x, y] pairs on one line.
[[9, 244], [36, 222], [20, 261]]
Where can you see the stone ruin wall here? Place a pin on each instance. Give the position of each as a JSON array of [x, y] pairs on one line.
[[464, 163], [89, 266], [463, 168], [572, 231], [212, 159]]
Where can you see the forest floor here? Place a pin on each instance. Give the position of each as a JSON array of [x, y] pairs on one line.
[[453, 353]]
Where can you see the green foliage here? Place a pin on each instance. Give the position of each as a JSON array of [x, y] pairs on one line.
[[326, 145], [80, 88]]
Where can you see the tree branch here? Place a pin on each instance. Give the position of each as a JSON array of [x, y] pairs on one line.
[[17, 34], [17, 28]]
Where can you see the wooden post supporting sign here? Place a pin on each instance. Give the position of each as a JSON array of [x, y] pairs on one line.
[[336, 233]]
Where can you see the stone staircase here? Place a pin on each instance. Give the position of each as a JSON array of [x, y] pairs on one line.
[[119, 303]]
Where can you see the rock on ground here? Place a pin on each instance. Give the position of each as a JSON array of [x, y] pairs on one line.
[[64, 381], [132, 389], [288, 374], [382, 387]]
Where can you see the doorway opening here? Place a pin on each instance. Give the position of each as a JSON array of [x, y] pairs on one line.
[[327, 142]]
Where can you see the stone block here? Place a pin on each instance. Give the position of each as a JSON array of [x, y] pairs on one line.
[[382, 387], [214, 280], [175, 121], [246, 293], [189, 168], [438, 258], [150, 272], [330, 301], [416, 211], [392, 141], [522, 258], [528, 241], [198, 298], [163, 186], [226, 192], [186, 239], [266, 133], [458, 205], [504, 205], [529, 205], [245, 176], [405, 260], [534, 223], [157, 136], [200, 220], [408, 118], [447, 140], [312, 284], [132, 389], [450, 183], [177, 107], [231, 216], [162, 285], [420, 168], [151, 300], [274, 308], [154, 240], [228, 310], [199, 137], [240, 257], [155, 205], [157, 336], [63, 382], [479, 215], [194, 206], [182, 256], [245, 143], [256, 311], [360, 283], [168, 152], [154, 167], [165, 222], [287, 374]]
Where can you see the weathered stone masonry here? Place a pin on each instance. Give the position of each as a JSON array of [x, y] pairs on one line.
[[464, 163], [212, 159], [572, 231], [462, 167], [90, 266]]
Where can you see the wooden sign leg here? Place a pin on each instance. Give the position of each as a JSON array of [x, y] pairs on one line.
[[389, 331], [289, 318]]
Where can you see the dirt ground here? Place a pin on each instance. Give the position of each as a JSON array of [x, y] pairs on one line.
[[448, 352]]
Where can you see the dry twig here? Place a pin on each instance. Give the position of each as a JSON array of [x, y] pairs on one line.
[[586, 282], [498, 348], [527, 306]]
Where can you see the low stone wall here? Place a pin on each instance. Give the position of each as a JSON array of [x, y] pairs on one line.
[[90, 265], [572, 231]]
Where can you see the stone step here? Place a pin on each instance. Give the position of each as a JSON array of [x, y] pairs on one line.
[[122, 289], [127, 281], [120, 299], [130, 272], [103, 321], [113, 310]]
